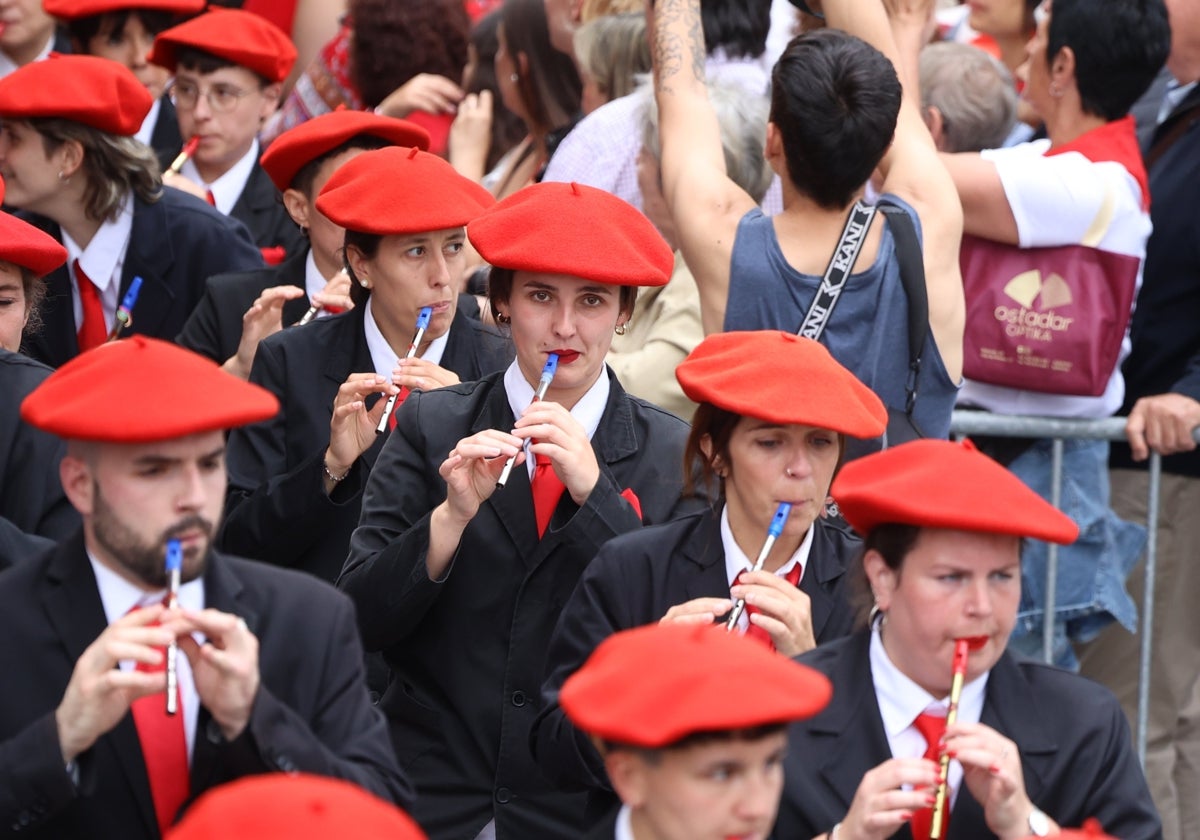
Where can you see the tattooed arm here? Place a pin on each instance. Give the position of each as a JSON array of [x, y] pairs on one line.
[[705, 204]]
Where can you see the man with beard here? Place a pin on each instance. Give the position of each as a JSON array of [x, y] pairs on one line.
[[269, 664]]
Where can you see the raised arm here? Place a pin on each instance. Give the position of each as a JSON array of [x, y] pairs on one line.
[[912, 169], [705, 204]]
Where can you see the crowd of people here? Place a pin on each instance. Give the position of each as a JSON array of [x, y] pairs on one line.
[[512, 419]]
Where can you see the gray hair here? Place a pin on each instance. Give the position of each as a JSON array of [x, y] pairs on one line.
[[973, 92], [742, 117]]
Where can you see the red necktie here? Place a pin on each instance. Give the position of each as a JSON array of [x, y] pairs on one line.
[[164, 748], [754, 631], [92, 332], [210, 198], [404, 392], [931, 727], [547, 490]]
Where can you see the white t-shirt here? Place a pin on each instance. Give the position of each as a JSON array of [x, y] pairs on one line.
[[1055, 200]]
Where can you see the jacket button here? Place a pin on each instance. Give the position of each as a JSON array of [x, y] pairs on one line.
[[25, 818], [518, 699], [503, 795], [212, 731]]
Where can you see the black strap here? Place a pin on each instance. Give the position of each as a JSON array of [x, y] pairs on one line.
[[912, 277], [845, 255]]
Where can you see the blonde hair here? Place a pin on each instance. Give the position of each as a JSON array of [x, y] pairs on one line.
[[593, 9], [613, 50]]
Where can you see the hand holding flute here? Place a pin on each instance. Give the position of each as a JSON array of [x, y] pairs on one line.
[[174, 564], [422, 325], [773, 531], [547, 377]]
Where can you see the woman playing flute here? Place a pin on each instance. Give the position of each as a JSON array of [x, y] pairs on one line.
[[1032, 748]]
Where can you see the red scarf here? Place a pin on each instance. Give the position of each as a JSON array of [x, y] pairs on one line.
[[1116, 142]]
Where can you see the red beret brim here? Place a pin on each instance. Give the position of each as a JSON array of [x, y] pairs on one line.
[[781, 378], [652, 686], [240, 37], [940, 484], [141, 390], [394, 191], [297, 147], [94, 91], [558, 228]]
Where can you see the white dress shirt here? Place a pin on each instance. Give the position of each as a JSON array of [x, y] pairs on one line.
[[228, 187], [384, 356]]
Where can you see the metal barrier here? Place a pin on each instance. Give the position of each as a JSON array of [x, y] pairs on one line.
[[1110, 429]]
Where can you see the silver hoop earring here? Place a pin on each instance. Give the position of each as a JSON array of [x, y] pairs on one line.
[[876, 615]]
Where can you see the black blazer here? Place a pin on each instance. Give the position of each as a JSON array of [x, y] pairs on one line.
[[1072, 735], [165, 140], [34, 511], [261, 210], [176, 244], [215, 326], [467, 653], [278, 511], [311, 713], [633, 581]]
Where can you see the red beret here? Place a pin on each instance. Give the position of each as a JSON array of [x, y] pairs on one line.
[[780, 378], [94, 91], [244, 38], [939, 484], [394, 190], [556, 228], [278, 806], [297, 147], [74, 9], [654, 685], [26, 246], [141, 390]]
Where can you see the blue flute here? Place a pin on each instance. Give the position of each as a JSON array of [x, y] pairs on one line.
[[174, 571], [543, 385], [422, 325], [773, 532], [124, 318]]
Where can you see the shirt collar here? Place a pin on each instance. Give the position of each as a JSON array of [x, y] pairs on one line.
[[119, 596], [901, 700], [384, 356], [314, 282], [624, 824], [587, 411], [227, 188], [104, 256], [736, 560], [146, 132]]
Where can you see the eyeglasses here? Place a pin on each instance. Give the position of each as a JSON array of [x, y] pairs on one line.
[[222, 98]]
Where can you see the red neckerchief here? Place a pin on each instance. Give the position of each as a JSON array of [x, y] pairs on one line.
[[1117, 142]]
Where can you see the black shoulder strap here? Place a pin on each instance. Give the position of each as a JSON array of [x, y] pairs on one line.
[[912, 276]]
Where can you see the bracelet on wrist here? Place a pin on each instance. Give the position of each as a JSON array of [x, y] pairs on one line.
[[335, 478]]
